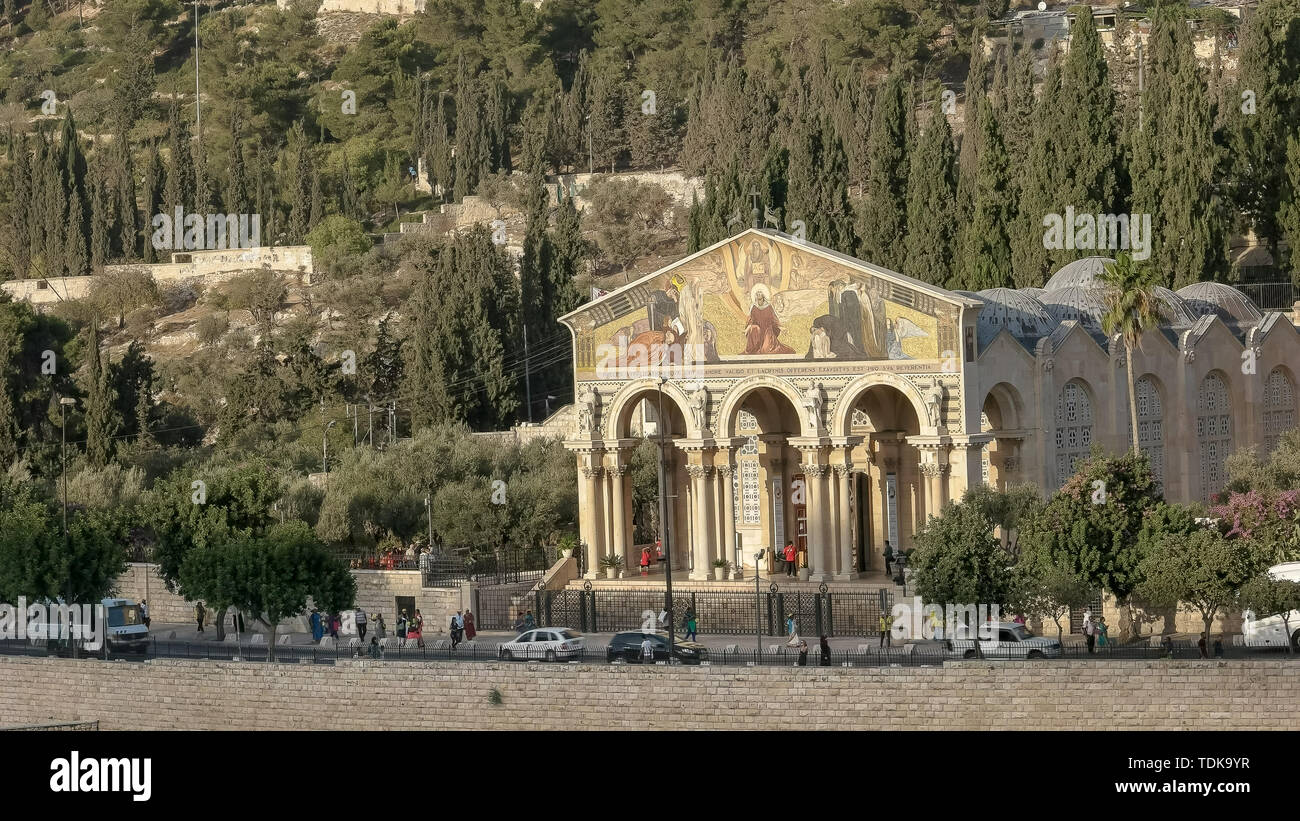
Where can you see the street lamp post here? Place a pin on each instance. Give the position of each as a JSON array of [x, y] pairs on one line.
[[758, 612], [324, 447], [663, 526]]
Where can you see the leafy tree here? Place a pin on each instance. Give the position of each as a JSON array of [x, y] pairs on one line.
[[1266, 597], [1009, 510], [817, 194], [261, 293], [1202, 572], [272, 576], [121, 290], [101, 421], [1131, 308], [1091, 525], [881, 224], [338, 243], [1049, 591], [984, 250], [625, 214]]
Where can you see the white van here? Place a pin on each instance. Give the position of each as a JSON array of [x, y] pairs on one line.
[[1272, 631], [124, 630]]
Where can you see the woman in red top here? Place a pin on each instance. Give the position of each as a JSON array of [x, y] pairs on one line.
[[790, 556], [645, 561]]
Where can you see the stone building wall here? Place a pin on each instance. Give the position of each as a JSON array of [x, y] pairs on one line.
[[195, 695]]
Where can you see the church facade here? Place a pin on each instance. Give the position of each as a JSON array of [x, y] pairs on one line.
[[803, 395]]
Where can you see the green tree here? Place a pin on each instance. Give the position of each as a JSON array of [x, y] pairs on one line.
[[931, 206], [984, 250], [882, 218], [1010, 510], [1048, 591], [272, 576], [626, 214], [817, 194], [101, 421], [122, 290], [1131, 308], [1201, 572]]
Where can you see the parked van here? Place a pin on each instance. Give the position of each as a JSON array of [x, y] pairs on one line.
[[124, 631], [1272, 631]]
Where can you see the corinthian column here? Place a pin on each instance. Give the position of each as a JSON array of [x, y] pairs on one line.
[[701, 547]]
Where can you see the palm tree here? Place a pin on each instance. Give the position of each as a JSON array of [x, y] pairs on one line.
[[1131, 307]]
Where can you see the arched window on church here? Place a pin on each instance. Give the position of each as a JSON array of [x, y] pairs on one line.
[[1214, 432], [1279, 408], [1151, 432], [744, 480], [1073, 428]]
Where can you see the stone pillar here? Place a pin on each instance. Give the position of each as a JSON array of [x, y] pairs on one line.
[[701, 548], [727, 510], [821, 536], [617, 477], [846, 513], [592, 527]]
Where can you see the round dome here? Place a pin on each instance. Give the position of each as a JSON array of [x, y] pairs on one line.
[[1176, 310], [1080, 273], [1036, 293], [1021, 314], [1205, 298], [1084, 305]]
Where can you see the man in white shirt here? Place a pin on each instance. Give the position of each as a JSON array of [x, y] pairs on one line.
[[647, 649], [361, 623]]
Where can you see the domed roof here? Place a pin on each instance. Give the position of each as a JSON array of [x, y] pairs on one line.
[[1021, 314], [1206, 298], [1083, 305], [1176, 310], [1080, 273], [1036, 293]]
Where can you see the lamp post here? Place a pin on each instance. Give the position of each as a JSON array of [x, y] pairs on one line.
[[324, 447], [663, 525], [428, 506], [758, 611], [64, 403]]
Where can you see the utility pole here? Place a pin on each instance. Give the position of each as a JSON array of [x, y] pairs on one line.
[[64, 403], [198, 116], [353, 411], [663, 527], [591, 167], [370, 422], [392, 422], [528, 385], [324, 447]]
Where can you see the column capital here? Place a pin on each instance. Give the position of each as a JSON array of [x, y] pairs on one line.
[[617, 471], [699, 471], [592, 471], [813, 470], [844, 470], [725, 471], [929, 469]]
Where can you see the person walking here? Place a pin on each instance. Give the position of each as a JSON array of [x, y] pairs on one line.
[[200, 613], [803, 653], [1103, 637], [317, 632], [826, 653], [889, 557], [645, 561], [791, 626], [334, 626], [1201, 646], [692, 624], [529, 621], [361, 623], [1089, 633], [401, 625], [144, 612], [470, 632], [647, 650], [415, 630], [886, 625], [790, 556], [381, 629], [454, 629]]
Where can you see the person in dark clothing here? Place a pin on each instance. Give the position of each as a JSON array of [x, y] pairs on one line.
[[200, 613], [889, 557], [803, 653], [1201, 645], [454, 630], [1218, 648], [401, 625], [826, 653]]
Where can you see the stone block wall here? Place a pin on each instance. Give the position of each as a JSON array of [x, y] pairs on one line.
[[1075, 695]]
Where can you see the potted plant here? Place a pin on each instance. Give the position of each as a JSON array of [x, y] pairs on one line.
[[611, 563], [566, 545], [720, 568]]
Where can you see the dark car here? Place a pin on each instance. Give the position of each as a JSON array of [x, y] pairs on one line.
[[627, 646]]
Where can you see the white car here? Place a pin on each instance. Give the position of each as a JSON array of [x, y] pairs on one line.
[[549, 643], [1272, 631], [1013, 641]]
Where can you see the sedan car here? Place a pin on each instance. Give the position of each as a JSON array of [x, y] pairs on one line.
[[1013, 642], [628, 647], [549, 643]]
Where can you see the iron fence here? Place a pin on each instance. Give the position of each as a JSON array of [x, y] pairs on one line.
[[510, 565], [729, 612], [773, 651], [1269, 296]]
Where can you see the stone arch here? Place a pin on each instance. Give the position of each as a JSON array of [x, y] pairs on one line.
[[1215, 429], [737, 393], [1279, 405], [1074, 422], [842, 423], [618, 411], [1152, 402], [1009, 404]]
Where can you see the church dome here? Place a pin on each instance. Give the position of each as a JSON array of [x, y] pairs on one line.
[[1080, 273], [1021, 314], [1036, 293], [1084, 305], [1206, 298], [1176, 309]]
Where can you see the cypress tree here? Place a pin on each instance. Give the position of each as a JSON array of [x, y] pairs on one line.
[[350, 196], [127, 219], [99, 216], [976, 94], [154, 200], [984, 252], [932, 205], [817, 193], [1175, 161], [880, 226], [100, 421], [1086, 127], [317, 212], [1288, 211], [22, 185], [569, 253], [470, 140], [606, 129], [76, 257], [438, 162], [1036, 188], [8, 424], [179, 188], [236, 190], [57, 226]]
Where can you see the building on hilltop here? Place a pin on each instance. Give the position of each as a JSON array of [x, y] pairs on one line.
[[811, 396]]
